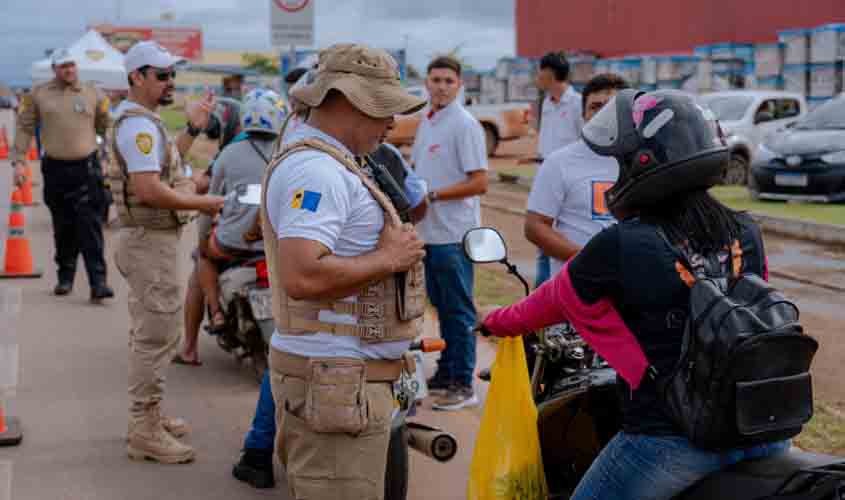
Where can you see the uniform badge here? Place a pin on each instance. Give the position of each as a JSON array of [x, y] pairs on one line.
[[79, 104], [144, 142], [306, 200]]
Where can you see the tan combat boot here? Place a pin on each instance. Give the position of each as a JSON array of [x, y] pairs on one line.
[[176, 426], [149, 440]]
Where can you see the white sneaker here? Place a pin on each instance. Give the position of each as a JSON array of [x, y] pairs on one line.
[[456, 398]]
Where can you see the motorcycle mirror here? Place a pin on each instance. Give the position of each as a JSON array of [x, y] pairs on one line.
[[483, 245]]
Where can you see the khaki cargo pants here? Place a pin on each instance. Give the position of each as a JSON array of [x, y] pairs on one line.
[[150, 262], [331, 466]]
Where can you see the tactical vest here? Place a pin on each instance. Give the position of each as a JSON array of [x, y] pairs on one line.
[[386, 311], [131, 211]]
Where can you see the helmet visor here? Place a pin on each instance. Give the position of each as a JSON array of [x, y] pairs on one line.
[[603, 129]]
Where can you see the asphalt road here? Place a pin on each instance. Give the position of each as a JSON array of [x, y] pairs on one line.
[[72, 401]]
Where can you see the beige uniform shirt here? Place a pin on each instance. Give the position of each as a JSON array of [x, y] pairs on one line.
[[70, 117]]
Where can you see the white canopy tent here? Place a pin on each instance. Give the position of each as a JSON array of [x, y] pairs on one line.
[[97, 61]]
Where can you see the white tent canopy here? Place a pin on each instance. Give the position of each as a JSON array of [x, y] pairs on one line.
[[97, 61]]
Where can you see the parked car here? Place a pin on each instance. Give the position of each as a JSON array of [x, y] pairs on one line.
[[501, 122], [805, 162], [747, 117]]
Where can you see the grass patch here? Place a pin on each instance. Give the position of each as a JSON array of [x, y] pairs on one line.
[[825, 433], [496, 288], [525, 171], [174, 119], [738, 198]]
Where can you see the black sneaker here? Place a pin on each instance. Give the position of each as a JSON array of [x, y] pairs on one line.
[[255, 468], [438, 383]]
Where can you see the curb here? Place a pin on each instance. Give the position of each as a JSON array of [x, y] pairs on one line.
[[816, 232], [767, 225]]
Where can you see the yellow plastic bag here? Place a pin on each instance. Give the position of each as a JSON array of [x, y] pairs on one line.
[[507, 463]]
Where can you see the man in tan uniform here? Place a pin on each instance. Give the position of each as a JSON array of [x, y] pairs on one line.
[[347, 280], [154, 200], [70, 114]]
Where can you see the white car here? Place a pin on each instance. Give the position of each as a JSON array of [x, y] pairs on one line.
[[747, 117]]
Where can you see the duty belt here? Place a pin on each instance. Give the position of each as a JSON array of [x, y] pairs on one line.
[[378, 370]]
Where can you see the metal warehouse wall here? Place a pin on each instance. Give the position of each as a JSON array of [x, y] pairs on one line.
[[617, 27]]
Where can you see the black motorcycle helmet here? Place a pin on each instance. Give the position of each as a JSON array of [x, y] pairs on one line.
[[665, 144], [224, 122]]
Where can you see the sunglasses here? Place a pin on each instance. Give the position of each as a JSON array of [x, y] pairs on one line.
[[161, 75]]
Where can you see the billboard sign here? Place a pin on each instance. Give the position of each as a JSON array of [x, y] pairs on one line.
[[181, 41]]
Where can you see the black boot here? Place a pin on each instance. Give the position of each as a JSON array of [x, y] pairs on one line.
[[255, 468], [100, 292], [63, 288]]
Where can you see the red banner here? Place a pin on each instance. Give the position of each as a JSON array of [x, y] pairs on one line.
[[180, 41]]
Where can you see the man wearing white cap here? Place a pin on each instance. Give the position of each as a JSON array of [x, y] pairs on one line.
[[154, 199], [347, 280], [70, 114]]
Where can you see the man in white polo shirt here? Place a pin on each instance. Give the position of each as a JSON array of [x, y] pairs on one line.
[[560, 122], [450, 155], [566, 206]]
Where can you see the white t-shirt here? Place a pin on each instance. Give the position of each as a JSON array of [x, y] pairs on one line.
[[312, 196], [561, 122], [448, 146], [139, 141], [569, 188]]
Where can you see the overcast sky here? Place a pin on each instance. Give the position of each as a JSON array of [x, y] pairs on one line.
[[483, 28]]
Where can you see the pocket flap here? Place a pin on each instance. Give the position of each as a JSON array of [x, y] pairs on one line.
[[774, 404]]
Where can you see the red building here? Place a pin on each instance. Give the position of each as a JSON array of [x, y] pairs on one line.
[[618, 27]]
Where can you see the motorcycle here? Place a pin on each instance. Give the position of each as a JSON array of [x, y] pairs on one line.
[[579, 412]]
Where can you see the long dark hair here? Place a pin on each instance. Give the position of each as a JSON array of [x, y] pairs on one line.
[[697, 219]]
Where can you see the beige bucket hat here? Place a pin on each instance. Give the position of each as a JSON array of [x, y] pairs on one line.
[[368, 77]]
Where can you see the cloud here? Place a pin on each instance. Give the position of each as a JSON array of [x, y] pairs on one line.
[[484, 29]]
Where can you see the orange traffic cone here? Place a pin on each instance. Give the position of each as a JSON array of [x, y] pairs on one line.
[[10, 429], [4, 144], [32, 154], [26, 188], [18, 255]]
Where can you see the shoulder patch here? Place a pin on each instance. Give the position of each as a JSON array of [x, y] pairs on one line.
[[144, 142]]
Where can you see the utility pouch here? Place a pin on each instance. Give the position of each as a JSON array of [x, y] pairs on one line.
[[336, 398], [410, 292]]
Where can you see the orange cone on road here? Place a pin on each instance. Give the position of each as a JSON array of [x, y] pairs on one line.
[[10, 429], [26, 188], [32, 154], [18, 262], [4, 144]]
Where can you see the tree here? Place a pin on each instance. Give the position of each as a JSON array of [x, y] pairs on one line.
[[261, 63]]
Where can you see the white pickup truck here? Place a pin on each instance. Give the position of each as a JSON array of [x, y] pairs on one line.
[[501, 122]]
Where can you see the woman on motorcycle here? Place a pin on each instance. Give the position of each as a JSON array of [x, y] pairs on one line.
[[239, 165], [628, 296]]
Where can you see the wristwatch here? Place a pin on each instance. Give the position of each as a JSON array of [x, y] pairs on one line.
[[432, 196], [191, 130]]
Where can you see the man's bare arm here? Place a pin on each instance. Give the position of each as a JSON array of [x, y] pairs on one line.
[[539, 229], [151, 191], [475, 185]]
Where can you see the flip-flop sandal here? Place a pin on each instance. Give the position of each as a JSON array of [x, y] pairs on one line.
[[179, 360]]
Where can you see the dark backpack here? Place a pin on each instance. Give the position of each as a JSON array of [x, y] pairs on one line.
[[743, 375]]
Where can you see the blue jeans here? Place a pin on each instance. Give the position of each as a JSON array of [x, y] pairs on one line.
[[449, 278], [262, 435], [544, 269], [657, 467]]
